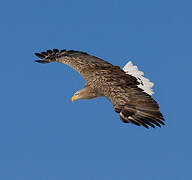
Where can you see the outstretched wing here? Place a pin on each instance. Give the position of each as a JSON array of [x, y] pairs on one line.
[[135, 106], [80, 61]]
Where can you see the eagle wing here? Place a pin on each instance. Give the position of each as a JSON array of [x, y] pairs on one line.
[[135, 106], [82, 62]]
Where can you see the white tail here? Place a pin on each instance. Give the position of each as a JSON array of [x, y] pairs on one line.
[[145, 83]]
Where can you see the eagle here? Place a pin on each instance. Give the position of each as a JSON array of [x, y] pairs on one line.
[[127, 89]]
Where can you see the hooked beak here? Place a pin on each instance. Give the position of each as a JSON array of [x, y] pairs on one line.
[[74, 98]]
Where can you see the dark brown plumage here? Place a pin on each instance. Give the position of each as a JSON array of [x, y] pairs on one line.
[[103, 79]]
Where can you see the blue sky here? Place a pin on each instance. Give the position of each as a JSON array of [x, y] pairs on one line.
[[44, 135]]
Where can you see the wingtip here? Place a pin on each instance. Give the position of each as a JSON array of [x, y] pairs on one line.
[[41, 56], [41, 61]]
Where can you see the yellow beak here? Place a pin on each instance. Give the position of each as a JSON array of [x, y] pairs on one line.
[[74, 98]]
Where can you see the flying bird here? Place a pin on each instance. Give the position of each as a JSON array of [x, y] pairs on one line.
[[127, 89]]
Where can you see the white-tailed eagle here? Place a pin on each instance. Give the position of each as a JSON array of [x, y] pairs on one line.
[[127, 89]]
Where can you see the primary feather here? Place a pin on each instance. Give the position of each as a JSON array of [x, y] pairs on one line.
[[127, 89]]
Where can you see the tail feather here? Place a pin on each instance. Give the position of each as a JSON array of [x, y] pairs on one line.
[[145, 83]]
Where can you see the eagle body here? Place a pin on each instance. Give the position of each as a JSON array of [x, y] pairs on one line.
[[127, 89]]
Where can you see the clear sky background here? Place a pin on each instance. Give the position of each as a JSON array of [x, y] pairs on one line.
[[44, 136]]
